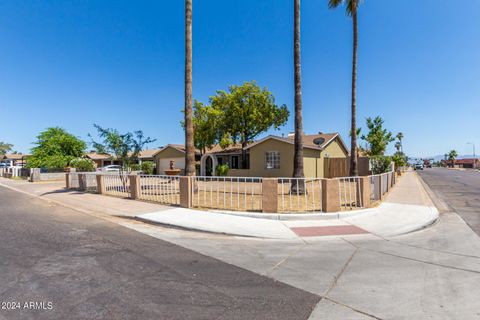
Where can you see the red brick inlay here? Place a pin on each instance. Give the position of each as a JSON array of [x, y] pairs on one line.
[[327, 231]]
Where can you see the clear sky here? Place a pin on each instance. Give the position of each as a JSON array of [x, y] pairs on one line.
[[120, 64]]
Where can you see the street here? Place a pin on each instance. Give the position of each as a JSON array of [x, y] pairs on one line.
[[459, 189], [57, 263]]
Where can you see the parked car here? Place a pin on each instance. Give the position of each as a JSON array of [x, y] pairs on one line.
[[419, 166], [110, 168]]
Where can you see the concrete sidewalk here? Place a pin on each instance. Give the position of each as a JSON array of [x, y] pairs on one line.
[[407, 208]]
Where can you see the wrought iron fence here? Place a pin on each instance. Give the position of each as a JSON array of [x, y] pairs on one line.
[[228, 193], [117, 185], [161, 189], [299, 194], [349, 193]]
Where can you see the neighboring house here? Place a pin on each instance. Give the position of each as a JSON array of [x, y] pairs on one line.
[[171, 153], [101, 159], [467, 163], [273, 156], [14, 159], [147, 155]]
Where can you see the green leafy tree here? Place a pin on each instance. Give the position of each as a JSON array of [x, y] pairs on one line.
[[55, 148], [380, 164], [377, 137], [5, 147], [206, 124], [247, 111], [124, 146], [351, 10]]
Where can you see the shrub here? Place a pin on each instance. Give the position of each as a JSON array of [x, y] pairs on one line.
[[148, 167], [399, 160], [222, 169], [135, 167], [83, 164], [380, 164]]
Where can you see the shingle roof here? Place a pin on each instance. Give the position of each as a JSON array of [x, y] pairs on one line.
[[98, 156]]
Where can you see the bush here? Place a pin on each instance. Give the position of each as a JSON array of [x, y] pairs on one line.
[[148, 167], [380, 164], [222, 169], [135, 167], [83, 164], [399, 160]]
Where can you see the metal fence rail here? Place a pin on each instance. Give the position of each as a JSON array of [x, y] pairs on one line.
[[117, 185], [229, 193], [162, 189], [299, 194], [349, 193]]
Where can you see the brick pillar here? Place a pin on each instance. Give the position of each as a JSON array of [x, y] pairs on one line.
[[330, 195], [185, 192], [82, 182], [380, 187], [67, 180], [134, 186], [34, 175], [270, 195], [363, 192], [100, 184]]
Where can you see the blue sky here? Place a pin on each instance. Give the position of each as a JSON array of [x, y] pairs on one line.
[[120, 64]]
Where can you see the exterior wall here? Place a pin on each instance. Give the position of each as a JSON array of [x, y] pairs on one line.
[[162, 159], [52, 176], [257, 159]]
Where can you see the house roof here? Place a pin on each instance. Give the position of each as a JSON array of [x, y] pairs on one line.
[[149, 153], [98, 156], [13, 156], [179, 147], [308, 140]]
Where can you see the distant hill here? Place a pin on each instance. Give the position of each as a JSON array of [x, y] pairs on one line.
[[441, 157]]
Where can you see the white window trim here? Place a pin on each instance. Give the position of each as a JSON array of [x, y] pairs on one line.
[[275, 164]]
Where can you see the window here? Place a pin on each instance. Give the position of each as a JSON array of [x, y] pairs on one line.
[[272, 160], [234, 162]]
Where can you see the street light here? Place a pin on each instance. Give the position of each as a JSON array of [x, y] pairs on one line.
[[474, 159]]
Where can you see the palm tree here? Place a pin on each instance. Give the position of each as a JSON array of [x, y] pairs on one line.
[[400, 138], [352, 6], [298, 140], [189, 134], [452, 155], [398, 146]]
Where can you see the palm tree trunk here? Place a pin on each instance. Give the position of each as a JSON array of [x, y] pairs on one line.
[[353, 153], [189, 142], [298, 140]]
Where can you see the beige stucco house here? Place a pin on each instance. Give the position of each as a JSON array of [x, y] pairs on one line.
[[271, 156]]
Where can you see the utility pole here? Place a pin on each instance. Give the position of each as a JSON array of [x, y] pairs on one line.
[[474, 166]]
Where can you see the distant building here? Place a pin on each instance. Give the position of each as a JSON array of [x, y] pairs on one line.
[[467, 163]]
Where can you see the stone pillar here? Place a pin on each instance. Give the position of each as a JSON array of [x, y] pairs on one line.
[[100, 184], [185, 192], [330, 195], [67, 180], [363, 192], [82, 182], [34, 174], [270, 195], [135, 190]]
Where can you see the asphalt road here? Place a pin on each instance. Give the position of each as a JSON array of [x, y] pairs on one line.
[[75, 266], [459, 189]]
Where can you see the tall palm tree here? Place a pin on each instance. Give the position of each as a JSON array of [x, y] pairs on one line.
[[189, 138], [352, 6], [298, 140], [400, 138]]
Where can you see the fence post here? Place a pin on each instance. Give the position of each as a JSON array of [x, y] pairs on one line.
[[330, 195], [134, 186], [100, 184], [363, 196], [270, 195], [185, 192], [67, 180], [380, 187], [82, 182], [35, 175]]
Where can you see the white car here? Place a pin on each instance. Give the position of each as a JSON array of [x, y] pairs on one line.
[[111, 168]]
